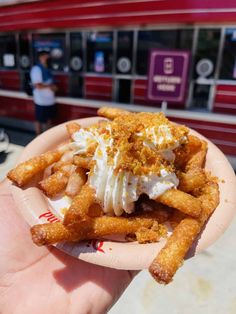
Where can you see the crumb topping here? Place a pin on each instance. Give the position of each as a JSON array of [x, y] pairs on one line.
[[137, 142]]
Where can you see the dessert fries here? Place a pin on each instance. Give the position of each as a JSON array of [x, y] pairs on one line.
[[129, 174]]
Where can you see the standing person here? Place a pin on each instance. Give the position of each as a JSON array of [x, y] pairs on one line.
[[43, 92]]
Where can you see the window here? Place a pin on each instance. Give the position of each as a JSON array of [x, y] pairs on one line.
[[124, 52], [24, 45], [123, 91], [55, 44], [76, 85], [200, 96], [228, 64], [206, 53], [8, 52], [76, 52], [163, 39], [99, 52]]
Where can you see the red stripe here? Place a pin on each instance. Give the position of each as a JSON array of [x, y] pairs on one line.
[[92, 83], [9, 80], [16, 108], [231, 99], [226, 88], [99, 97], [96, 80], [225, 103], [47, 13], [12, 73], [140, 92], [8, 73], [98, 89], [213, 135], [166, 4], [62, 81], [141, 82], [224, 106], [228, 150], [67, 113], [200, 122], [69, 12], [225, 110], [161, 5], [216, 135]]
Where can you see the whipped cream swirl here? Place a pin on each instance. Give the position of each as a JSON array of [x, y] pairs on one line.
[[117, 191]]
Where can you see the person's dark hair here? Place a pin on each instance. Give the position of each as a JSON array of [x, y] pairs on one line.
[[43, 53]]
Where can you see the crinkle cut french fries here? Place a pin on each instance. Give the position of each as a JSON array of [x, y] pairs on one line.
[[186, 208]]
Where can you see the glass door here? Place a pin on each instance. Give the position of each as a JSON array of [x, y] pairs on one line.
[[205, 68]]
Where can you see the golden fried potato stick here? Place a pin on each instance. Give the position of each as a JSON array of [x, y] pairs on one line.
[[76, 180], [111, 113], [82, 162], [59, 165], [72, 127], [78, 210], [187, 151], [171, 257], [210, 198], [66, 159], [67, 156], [191, 180], [182, 201], [56, 183], [93, 228], [198, 159], [24, 172], [95, 210]]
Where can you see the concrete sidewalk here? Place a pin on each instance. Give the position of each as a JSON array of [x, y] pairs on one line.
[[205, 284]]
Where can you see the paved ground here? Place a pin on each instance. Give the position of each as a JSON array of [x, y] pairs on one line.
[[205, 284], [18, 140]]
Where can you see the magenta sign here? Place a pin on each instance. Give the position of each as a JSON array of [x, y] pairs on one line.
[[168, 75]]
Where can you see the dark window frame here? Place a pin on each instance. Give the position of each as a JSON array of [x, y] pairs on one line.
[[2, 52]]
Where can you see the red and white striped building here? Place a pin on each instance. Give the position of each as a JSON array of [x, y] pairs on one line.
[[80, 32]]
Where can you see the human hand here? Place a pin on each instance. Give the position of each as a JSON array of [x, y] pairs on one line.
[[46, 280], [54, 88]]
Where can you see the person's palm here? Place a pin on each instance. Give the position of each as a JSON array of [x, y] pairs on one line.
[[45, 280]]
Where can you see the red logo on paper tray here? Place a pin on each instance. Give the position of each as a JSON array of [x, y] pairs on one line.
[[97, 245], [49, 216]]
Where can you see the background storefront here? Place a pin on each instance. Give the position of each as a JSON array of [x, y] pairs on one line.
[[112, 64], [100, 55]]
